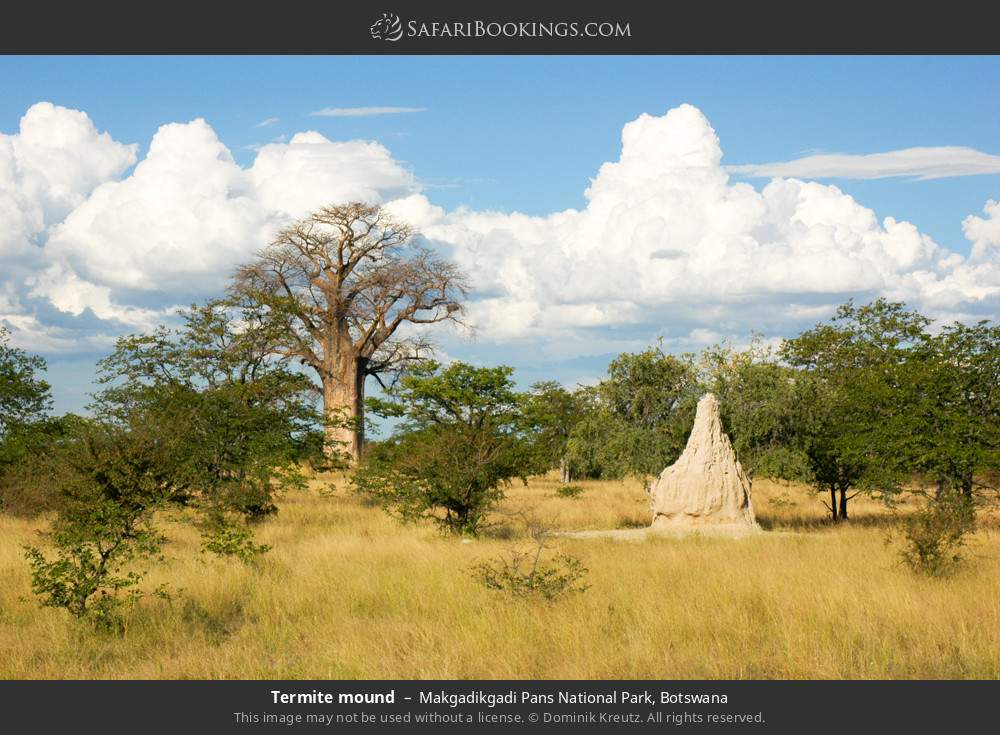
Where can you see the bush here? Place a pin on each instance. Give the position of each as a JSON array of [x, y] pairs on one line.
[[89, 576], [29, 478], [108, 497], [935, 535], [233, 540], [569, 491], [456, 450], [525, 573], [453, 475]]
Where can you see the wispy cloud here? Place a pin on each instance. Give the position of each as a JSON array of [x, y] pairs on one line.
[[255, 147], [364, 111], [268, 123], [920, 163]]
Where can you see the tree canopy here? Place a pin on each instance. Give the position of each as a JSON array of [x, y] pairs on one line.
[[456, 449]]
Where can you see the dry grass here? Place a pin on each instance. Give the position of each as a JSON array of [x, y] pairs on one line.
[[349, 592]]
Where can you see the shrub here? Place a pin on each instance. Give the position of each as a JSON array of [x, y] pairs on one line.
[[935, 535], [456, 450], [233, 540], [569, 491], [522, 574], [89, 576], [453, 475], [525, 573], [109, 495]]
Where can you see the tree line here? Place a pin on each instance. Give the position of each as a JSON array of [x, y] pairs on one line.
[[216, 415]]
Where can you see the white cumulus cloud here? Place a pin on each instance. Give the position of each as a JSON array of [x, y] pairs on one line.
[[48, 167], [667, 244], [668, 241], [127, 248]]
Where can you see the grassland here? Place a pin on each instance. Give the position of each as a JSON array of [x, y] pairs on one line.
[[349, 592]]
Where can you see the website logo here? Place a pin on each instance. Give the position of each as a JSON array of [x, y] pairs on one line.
[[387, 28]]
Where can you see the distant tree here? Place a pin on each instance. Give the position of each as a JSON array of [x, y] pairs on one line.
[[550, 412], [757, 401], [951, 432], [588, 440], [24, 397], [29, 484], [851, 397], [639, 416], [25, 428], [243, 418], [337, 287], [456, 449]]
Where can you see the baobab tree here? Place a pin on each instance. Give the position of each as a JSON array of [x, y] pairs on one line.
[[337, 286]]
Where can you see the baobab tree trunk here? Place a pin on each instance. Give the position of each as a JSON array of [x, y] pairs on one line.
[[344, 407]]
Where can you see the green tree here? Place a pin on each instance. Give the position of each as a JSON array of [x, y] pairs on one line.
[[550, 412], [24, 397], [757, 399], [25, 428], [951, 432], [639, 417], [457, 448], [851, 396], [244, 418], [586, 445]]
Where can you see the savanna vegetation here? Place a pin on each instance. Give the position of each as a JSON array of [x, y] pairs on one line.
[[221, 510]]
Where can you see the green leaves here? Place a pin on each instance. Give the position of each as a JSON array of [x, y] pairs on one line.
[[757, 395], [199, 417], [457, 448], [237, 418], [636, 421], [548, 414], [884, 399], [24, 397], [430, 395], [952, 433], [111, 490]]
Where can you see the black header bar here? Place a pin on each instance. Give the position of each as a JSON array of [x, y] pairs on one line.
[[512, 27]]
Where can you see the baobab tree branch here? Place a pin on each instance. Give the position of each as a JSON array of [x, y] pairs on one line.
[[336, 287]]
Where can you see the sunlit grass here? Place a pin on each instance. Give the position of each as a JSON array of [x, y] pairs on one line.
[[348, 591]]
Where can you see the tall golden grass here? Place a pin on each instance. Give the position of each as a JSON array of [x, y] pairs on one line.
[[349, 592]]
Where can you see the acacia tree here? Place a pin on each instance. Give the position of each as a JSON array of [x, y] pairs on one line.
[[550, 412], [636, 420], [458, 446], [757, 395], [24, 397], [852, 396], [338, 285]]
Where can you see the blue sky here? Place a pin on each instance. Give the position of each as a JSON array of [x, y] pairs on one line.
[[528, 134]]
